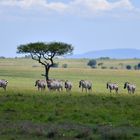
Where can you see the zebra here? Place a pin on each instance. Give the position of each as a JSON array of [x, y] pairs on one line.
[[130, 87], [41, 84], [68, 85], [112, 86], [3, 83], [55, 85], [84, 84]]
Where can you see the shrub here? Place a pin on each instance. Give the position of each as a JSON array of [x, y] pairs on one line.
[[103, 67], [92, 63], [34, 66], [55, 65], [138, 66], [111, 67], [128, 67], [135, 67], [100, 64], [64, 65]]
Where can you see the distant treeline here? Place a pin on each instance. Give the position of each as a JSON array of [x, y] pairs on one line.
[[2, 57], [100, 58], [104, 58]]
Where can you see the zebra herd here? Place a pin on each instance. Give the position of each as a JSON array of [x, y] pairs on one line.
[[85, 85], [57, 85]]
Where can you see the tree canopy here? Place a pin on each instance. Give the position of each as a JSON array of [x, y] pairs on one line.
[[41, 48]]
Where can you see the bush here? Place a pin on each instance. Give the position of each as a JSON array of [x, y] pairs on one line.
[[55, 65], [128, 67], [135, 67], [64, 65], [100, 64], [34, 66], [138, 66], [92, 63], [112, 67], [103, 67]]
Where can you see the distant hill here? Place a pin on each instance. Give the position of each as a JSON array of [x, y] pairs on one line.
[[112, 53]]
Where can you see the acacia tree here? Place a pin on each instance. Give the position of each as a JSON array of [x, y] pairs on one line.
[[45, 52]]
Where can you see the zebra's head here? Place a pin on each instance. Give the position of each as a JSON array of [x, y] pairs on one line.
[[125, 84], [66, 84], [5, 81], [80, 83], [36, 82], [107, 84]]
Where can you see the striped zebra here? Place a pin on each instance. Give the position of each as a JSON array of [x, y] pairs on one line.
[[130, 87], [3, 83], [68, 85], [41, 84], [55, 85], [84, 84], [112, 86]]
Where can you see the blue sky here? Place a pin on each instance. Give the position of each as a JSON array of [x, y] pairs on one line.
[[86, 24]]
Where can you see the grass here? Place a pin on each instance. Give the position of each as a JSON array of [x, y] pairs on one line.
[[60, 115], [26, 113]]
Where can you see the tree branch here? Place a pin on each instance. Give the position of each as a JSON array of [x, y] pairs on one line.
[[51, 62], [38, 58], [33, 57], [49, 57], [46, 58]]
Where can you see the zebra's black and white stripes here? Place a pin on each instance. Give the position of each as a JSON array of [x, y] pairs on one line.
[[112, 86], [130, 87], [84, 84], [3, 83]]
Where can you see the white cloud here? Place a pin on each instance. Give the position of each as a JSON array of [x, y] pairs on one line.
[[76, 7], [126, 4], [59, 6], [23, 3]]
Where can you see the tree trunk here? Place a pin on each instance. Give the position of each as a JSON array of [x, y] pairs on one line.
[[47, 68]]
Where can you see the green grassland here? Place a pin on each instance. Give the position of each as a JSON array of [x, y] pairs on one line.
[[26, 113]]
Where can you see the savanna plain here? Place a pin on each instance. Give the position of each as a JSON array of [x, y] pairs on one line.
[[26, 113]]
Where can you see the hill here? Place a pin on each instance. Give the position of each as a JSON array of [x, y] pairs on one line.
[[112, 53]]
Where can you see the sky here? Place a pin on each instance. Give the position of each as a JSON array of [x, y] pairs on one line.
[[88, 25]]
